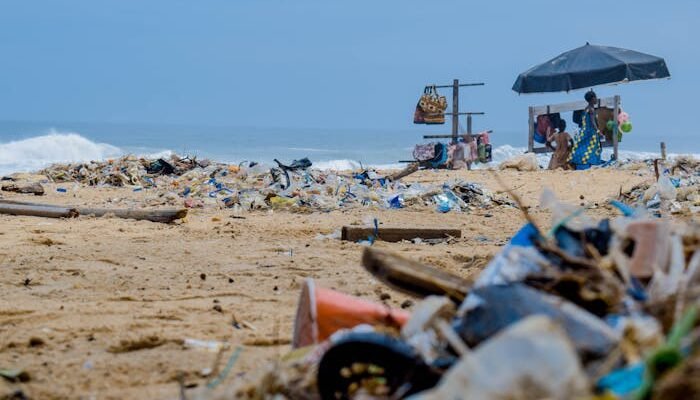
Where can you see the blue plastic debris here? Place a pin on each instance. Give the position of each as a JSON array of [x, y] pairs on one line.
[[622, 382]]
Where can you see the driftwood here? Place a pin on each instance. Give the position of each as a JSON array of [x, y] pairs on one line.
[[53, 211], [29, 188], [355, 234], [410, 168], [413, 277], [165, 216], [37, 210]]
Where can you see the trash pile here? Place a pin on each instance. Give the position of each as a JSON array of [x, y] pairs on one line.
[[587, 310], [252, 186], [676, 190]]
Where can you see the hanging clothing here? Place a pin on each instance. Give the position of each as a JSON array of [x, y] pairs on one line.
[[473, 151], [458, 154], [586, 149], [484, 138]]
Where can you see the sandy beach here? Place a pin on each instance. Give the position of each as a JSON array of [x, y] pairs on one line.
[[102, 307]]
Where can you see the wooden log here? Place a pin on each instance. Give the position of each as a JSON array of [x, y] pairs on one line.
[[29, 188], [52, 211], [354, 234], [165, 216], [38, 210], [410, 168], [413, 277]]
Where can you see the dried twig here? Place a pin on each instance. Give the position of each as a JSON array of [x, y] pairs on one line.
[[181, 384]]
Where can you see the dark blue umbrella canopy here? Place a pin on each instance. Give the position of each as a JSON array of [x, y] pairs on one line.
[[588, 66]]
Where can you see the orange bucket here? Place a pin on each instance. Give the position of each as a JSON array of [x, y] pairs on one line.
[[321, 312]]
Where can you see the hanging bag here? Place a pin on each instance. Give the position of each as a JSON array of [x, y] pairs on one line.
[[433, 106], [419, 114]]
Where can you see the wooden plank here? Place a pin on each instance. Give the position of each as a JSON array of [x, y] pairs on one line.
[[413, 277], [460, 85], [354, 234], [490, 131], [411, 168], [570, 106]]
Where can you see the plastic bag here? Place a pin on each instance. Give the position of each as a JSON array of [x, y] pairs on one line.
[[667, 190]]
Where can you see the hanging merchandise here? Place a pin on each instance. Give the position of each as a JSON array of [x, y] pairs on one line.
[[484, 153], [473, 151], [419, 114], [424, 151], [484, 137], [484, 147], [433, 106]]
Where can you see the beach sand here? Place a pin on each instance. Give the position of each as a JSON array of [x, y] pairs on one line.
[[101, 307]]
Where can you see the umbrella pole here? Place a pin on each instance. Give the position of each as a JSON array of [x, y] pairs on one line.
[[531, 130], [616, 112]]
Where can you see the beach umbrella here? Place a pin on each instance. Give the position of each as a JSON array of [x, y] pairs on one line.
[[588, 66]]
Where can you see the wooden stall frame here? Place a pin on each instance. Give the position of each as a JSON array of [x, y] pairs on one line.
[[455, 116], [533, 111], [455, 110]]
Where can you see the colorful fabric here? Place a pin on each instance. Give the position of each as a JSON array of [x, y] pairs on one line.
[[484, 138], [440, 156], [586, 149], [424, 152]]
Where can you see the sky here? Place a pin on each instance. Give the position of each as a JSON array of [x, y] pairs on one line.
[[325, 64]]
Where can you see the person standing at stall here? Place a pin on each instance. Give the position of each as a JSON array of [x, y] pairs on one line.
[[586, 149], [560, 143]]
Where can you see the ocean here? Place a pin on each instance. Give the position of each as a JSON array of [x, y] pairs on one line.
[[29, 146]]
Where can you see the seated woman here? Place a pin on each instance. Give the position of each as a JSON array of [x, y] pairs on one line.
[[586, 149], [560, 142]]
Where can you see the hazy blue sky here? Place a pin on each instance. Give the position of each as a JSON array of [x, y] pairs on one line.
[[324, 63]]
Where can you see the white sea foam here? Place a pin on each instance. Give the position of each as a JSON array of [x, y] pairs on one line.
[[39, 151], [338, 165]]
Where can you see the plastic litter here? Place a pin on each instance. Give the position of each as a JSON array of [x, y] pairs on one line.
[[532, 359], [251, 186], [495, 307], [208, 345]]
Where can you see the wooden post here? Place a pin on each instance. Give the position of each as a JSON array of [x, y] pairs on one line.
[[616, 112], [469, 126], [531, 129], [455, 110], [663, 151], [469, 137]]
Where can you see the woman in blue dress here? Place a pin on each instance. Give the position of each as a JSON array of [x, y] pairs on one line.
[[586, 149]]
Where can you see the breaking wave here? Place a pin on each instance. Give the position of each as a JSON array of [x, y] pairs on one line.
[[37, 152]]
